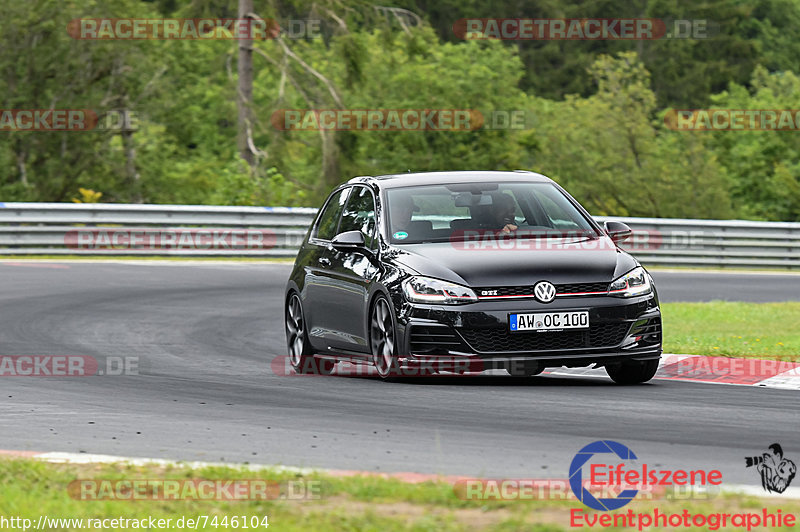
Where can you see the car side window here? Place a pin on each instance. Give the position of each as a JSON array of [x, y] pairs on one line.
[[327, 226], [359, 215]]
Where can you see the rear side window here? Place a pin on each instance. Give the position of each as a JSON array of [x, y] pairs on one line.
[[329, 219], [359, 215]]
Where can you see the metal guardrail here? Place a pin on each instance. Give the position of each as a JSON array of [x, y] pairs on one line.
[[151, 230], [199, 230], [716, 243]]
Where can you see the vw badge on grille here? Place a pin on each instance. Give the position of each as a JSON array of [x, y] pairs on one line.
[[544, 291]]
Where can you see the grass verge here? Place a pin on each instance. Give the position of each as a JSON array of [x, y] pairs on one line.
[[30, 489], [722, 328]]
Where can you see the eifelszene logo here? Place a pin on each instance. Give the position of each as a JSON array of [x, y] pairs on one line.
[[776, 471], [576, 475], [618, 483]]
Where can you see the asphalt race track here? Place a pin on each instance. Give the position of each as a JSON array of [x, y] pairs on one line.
[[714, 285], [205, 333]]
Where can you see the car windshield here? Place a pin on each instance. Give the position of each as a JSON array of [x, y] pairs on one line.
[[439, 213]]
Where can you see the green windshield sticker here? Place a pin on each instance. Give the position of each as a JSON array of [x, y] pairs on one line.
[[400, 235]]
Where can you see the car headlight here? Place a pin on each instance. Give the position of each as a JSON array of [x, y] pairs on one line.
[[428, 290], [634, 283]]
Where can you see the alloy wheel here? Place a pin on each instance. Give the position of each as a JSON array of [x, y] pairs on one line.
[[382, 338], [295, 331]]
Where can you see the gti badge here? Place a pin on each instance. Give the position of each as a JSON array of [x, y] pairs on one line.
[[488, 292], [544, 291]]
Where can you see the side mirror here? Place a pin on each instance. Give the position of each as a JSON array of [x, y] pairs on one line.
[[618, 231], [349, 241]]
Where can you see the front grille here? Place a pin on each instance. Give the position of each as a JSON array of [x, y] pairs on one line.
[[501, 340], [433, 340], [581, 287], [527, 290], [507, 291]]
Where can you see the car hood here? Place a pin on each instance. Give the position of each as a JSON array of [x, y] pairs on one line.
[[559, 261]]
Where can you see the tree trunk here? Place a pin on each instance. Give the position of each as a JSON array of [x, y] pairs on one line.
[[132, 173], [330, 160], [23, 169], [244, 98]]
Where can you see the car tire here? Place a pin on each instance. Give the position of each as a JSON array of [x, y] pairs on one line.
[[301, 357], [633, 372], [383, 339]]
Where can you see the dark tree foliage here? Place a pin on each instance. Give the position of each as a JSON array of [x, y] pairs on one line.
[[593, 111]]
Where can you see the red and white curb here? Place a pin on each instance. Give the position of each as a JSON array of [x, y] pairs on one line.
[[791, 493], [714, 370]]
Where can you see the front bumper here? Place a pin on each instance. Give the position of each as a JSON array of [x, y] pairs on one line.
[[475, 337]]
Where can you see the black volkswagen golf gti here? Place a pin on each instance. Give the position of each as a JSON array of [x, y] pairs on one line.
[[468, 271]]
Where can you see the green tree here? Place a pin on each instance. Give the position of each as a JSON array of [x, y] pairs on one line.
[[764, 165], [614, 157]]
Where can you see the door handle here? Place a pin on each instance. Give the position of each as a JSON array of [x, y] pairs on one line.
[[325, 261]]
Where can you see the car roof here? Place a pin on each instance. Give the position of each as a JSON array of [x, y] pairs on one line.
[[444, 178]]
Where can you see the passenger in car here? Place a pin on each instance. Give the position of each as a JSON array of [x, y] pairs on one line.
[[401, 210]]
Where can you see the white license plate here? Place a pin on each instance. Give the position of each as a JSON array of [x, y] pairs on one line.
[[548, 321]]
